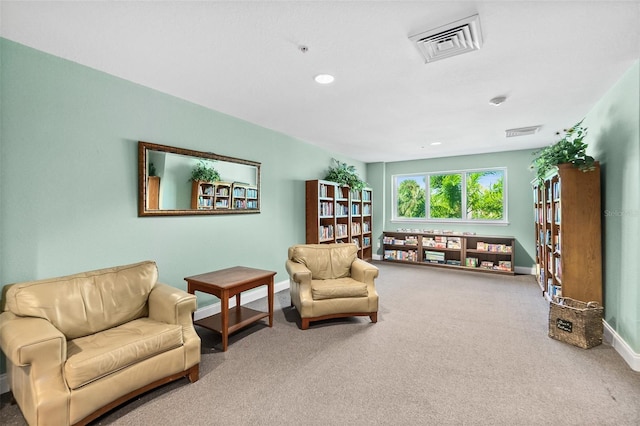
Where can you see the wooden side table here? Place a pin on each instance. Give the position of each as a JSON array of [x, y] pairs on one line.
[[225, 284]]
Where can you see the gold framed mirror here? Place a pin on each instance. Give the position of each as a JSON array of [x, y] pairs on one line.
[[178, 182]]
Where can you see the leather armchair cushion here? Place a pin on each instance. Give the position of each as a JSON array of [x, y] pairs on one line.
[[338, 288], [97, 355], [326, 261], [93, 301]]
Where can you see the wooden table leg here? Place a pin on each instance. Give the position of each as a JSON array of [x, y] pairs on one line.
[[270, 299], [224, 319]]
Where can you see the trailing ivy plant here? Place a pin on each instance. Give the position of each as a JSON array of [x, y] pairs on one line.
[[204, 172], [345, 174], [569, 149]]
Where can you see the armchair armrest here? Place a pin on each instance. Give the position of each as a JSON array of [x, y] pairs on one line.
[[298, 272], [171, 305], [29, 340], [174, 306], [363, 271], [36, 352]]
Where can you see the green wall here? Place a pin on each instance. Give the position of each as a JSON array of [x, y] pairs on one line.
[[520, 211], [68, 182], [68, 187], [614, 140]]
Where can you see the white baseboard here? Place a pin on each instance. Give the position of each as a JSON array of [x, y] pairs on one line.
[[611, 337], [524, 270], [247, 296]]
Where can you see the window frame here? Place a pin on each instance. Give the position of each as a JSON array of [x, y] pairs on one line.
[[464, 219]]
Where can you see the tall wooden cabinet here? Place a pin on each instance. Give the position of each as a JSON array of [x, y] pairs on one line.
[[336, 214], [568, 234]]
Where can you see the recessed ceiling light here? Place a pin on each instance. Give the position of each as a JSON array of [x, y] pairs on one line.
[[436, 143], [324, 78]]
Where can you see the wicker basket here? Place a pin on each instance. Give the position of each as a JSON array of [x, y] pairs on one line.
[[575, 322]]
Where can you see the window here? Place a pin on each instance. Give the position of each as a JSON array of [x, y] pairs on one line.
[[469, 196]]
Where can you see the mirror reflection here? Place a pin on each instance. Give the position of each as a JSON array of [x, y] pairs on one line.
[[176, 181]]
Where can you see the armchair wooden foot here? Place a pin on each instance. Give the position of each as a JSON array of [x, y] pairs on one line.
[[194, 373]]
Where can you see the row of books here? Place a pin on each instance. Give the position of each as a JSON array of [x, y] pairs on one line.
[[433, 231], [502, 265], [355, 228], [454, 243], [326, 232], [493, 248], [555, 188], [205, 189], [398, 241], [442, 242], [326, 209], [342, 209], [326, 190], [205, 202], [408, 255], [553, 290], [341, 230], [434, 256]]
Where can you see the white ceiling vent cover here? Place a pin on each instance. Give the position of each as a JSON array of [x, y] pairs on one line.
[[522, 131], [450, 40]]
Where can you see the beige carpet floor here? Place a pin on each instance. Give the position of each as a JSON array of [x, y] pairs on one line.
[[449, 348]]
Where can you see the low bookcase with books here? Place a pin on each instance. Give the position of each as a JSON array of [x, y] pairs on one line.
[[337, 214], [449, 250], [568, 233]]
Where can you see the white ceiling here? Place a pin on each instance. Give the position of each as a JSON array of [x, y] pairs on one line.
[[552, 60]]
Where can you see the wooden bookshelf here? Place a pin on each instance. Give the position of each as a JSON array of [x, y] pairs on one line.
[[212, 195], [245, 196], [568, 233], [494, 254], [336, 214]]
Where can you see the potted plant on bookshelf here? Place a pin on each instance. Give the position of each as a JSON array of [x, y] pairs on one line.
[[345, 174], [570, 149], [204, 173]]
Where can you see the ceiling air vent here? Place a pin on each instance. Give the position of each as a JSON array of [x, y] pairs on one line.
[[522, 131], [450, 40]]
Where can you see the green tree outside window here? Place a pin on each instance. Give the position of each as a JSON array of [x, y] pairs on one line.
[[411, 199]]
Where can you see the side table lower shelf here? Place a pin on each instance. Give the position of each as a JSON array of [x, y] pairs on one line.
[[238, 318]]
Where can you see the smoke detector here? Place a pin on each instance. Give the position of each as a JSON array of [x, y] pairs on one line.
[[522, 131], [449, 40]]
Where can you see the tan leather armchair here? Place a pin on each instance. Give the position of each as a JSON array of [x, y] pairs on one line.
[[77, 346], [329, 281]]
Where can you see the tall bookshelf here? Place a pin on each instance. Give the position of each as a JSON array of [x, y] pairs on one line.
[[336, 214], [448, 250], [568, 233]]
